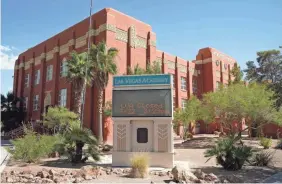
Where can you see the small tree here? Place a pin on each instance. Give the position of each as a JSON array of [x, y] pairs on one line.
[[194, 111]]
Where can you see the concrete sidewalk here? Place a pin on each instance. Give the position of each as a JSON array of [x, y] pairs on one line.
[[276, 178], [4, 155]]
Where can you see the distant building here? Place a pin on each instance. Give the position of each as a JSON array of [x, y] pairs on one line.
[[40, 72]]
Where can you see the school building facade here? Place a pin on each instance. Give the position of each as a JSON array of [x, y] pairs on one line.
[[40, 72]]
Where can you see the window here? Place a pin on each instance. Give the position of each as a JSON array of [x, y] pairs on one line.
[[173, 80], [142, 135], [49, 74], [63, 97], [183, 103], [194, 86], [25, 103], [183, 84], [37, 77], [26, 80], [63, 69], [35, 102]]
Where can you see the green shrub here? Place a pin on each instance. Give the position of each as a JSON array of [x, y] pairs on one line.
[[139, 165], [32, 147], [265, 142], [230, 153], [279, 144], [262, 158]]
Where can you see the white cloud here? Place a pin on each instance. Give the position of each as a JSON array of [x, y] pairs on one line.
[[7, 57]]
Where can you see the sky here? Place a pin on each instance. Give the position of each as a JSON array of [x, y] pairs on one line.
[[238, 28]]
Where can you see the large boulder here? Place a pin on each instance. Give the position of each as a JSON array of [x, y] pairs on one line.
[[181, 174]]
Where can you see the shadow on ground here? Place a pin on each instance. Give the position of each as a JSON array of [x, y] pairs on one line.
[[196, 143], [247, 174]]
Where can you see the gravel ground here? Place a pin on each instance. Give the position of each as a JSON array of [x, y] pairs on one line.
[[190, 153]]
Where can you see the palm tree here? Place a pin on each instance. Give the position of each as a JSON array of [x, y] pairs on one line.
[[103, 63], [78, 77]]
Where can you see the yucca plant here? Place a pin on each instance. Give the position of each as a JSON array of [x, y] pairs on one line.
[[230, 153]]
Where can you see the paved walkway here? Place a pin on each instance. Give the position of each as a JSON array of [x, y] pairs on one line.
[[276, 178], [4, 155]]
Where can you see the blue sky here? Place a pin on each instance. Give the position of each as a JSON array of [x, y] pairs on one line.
[[238, 28]]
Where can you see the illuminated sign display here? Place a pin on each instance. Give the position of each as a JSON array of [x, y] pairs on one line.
[[142, 103], [141, 80]]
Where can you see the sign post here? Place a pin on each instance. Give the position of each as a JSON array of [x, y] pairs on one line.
[[142, 112]]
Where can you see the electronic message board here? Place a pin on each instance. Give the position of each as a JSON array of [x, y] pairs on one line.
[[142, 103]]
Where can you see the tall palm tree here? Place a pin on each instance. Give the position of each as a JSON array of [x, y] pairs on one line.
[[103, 63], [78, 77]]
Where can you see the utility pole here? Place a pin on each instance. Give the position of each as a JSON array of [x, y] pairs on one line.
[[86, 69]]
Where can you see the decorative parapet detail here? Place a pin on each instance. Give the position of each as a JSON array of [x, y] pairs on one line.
[[56, 49], [121, 35], [140, 42], [42, 55], [159, 61], [27, 65], [21, 65], [71, 42], [182, 68], [132, 41], [64, 49], [37, 60], [81, 41], [16, 67], [170, 64], [49, 55], [153, 43]]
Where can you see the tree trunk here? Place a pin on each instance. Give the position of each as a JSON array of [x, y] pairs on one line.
[[100, 110], [78, 152], [78, 90]]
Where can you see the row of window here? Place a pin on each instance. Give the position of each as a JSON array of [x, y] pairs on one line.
[[184, 84], [183, 103], [35, 103], [49, 74]]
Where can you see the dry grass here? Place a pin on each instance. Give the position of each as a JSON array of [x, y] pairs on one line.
[[139, 165]]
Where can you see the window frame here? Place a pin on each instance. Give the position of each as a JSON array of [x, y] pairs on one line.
[[183, 103], [35, 103], [63, 69], [37, 77], [63, 97], [26, 80], [49, 73], [183, 81]]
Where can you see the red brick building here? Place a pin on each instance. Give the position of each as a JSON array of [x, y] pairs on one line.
[[39, 74]]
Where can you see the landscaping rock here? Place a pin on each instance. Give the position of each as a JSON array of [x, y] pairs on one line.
[[162, 174], [87, 177], [181, 174], [10, 179], [14, 172], [78, 180], [199, 174], [211, 177], [46, 180], [43, 174]]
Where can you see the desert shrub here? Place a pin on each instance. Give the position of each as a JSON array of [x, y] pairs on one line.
[[262, 158], [230, 152], [32, 147], [139, 165], [265, 142], [279, 144]]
